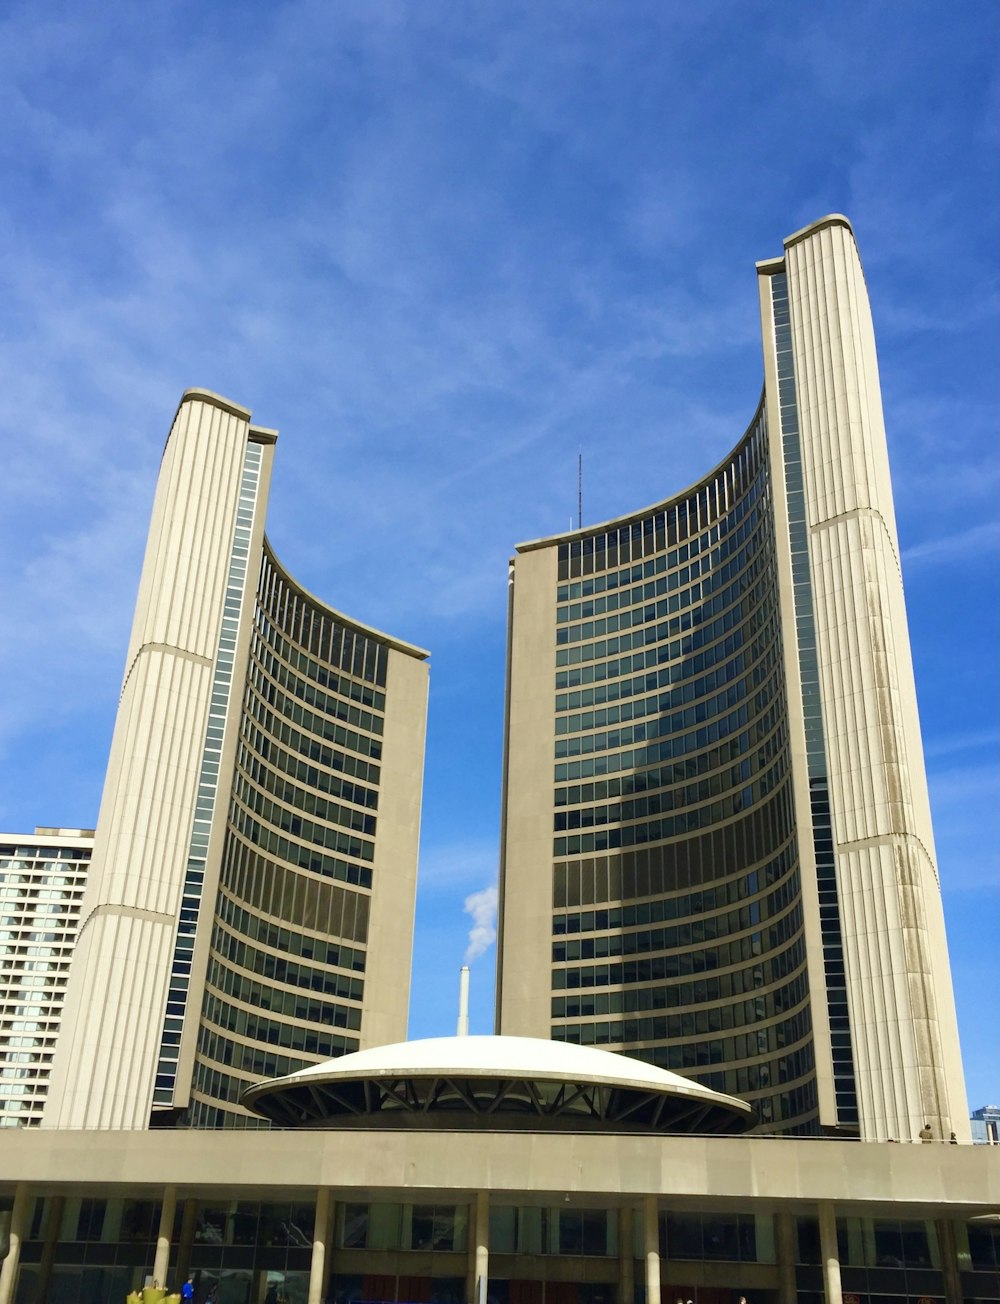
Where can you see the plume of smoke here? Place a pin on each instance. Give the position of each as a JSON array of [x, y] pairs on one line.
[[482, 906]]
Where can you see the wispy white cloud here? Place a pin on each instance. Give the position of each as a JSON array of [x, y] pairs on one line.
[[482, 907], [966, 805], [456, 865], [949, 744], [969, 545]]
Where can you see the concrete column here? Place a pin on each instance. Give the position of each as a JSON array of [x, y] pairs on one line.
[[626, 1257], [828, 1251], [188, 1220], [161, 1263], [651, 1248], [321, 1236], [784, 1226], [53, 1219], [479, 1249], [9, 1267], [948, 1249]]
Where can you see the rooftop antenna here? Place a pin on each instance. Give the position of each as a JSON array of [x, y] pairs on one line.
[[579, 490], [463, 1002]]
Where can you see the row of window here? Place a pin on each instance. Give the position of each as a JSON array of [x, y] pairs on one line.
[[624, 616], [259, 1064], [266, 667], [878, 1243], [295, 854], [669, 867], [637, 913], [222, 1088], [255, 928], [693, 607], [65, 935], [715, 1019], [694, 933], [27, 888], [290, 821], [677, 653], [777, 964], [320, 726], [684, 822], [641, 757], [319, 672], [41, 859], [277, 730], [702, 559], [660, 727], [619, 690], [244, 1023], [735, 604], [669, 799], [667, 560], [662, 777], [278, 969], [656, 703], [202, 1113], [301, 900], [666, 776], [290, 1005], [303, 799], [303, 772]]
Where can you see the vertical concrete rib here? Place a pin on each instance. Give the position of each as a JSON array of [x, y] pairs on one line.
[[899, 990]]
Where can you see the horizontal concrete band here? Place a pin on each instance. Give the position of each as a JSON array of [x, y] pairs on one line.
[[908, 1180]]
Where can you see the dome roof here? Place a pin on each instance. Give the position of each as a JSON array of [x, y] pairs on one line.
[[495, 1083]]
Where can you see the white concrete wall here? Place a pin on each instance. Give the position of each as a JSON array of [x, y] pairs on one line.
[[106, 1057], [525, 942], [899, 984], [394, 873]]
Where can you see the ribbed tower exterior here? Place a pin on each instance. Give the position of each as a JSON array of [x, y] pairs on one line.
[[237, 828], [716, 841]]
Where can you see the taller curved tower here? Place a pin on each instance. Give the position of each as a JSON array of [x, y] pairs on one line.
[[249, 908], [716, 840]]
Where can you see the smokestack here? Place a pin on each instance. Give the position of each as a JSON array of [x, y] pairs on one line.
[[463, 1002]]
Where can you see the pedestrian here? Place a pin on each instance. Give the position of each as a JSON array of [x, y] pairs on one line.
[[926, 1134], [187, 1291], [953, 1139]]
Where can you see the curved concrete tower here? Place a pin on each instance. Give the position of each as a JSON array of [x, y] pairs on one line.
[[260, 738], [717, 852]]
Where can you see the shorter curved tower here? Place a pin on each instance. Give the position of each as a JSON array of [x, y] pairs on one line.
[[250, 904], [716, 844]]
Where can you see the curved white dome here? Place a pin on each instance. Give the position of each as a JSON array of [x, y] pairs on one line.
[[494, 1076]]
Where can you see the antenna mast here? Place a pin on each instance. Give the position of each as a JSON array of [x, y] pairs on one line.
[[579, 490]]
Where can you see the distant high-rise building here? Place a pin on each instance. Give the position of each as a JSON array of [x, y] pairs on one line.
[[717, 850], [986, 1125], [42, 877], [249, 909]]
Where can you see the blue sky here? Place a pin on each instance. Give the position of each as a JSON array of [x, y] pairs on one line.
[[444, 247]]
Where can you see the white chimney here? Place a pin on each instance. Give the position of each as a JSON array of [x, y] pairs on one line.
[[463, 1002]]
